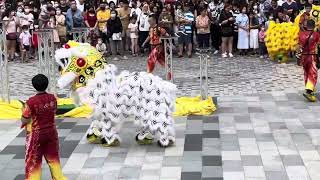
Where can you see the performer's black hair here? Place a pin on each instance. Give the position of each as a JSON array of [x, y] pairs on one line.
[[40, 82], [311, 24], [308, 5]]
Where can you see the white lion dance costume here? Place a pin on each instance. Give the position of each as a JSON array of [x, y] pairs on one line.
[[148, 98]]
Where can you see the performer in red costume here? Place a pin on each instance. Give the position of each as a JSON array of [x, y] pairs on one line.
[[157, 53], [309, 40], [42, 137]]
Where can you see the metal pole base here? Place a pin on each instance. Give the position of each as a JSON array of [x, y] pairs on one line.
[[168, 57], [203, 74]]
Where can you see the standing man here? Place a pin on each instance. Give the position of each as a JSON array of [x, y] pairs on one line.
[[308, 40], [74, 18], [291, 8], [82, 5], [63, 7], [124, 15], [214, 10], [135, 10], [185, 26], [103, 15]]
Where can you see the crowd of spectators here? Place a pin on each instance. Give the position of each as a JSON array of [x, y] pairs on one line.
[[122, 28]]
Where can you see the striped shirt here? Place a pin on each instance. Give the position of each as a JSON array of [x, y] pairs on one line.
[[187, 28]]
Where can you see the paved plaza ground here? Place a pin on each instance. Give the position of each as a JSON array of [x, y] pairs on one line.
[[263, 129]]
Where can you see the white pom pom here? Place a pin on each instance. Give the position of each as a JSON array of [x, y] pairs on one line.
[[61, 54], [66, 80]]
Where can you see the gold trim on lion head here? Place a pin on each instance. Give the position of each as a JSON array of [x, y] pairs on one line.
[[80, 58]]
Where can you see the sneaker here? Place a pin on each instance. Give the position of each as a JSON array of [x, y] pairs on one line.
[[310, 97], [125, 57], [16, 54], [231, 55], [215, 52], [261, 57], [116, 59], [224, 55]]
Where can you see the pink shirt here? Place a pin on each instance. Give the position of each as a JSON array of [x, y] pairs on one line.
[[262, 35], [11, 26], [203, 21]]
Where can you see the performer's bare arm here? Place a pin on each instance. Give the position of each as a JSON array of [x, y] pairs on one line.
[[26, 117], [146, 41], [25, 120]]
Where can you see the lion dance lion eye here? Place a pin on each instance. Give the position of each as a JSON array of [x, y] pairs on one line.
[[81, 62]]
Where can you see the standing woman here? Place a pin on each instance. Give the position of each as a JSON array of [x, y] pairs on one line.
[[156, 12], [61, 26], [91, 22], [254, 32], [114, 28], [112, 5], [243, 33], [203, 28], [227, 22], [11, 23]]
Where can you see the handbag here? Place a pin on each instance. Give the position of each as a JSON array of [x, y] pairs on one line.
[[12, 36], [116, 37]]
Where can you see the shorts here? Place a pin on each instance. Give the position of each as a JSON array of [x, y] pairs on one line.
[[26, 47], [184, 38]]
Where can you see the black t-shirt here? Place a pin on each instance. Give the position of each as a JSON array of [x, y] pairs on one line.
[[227, 29], [300, 5], [292, 6], [254, 22], [63, 9], [274, 11]]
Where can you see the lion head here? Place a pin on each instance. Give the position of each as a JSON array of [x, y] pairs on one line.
[[78, 63]]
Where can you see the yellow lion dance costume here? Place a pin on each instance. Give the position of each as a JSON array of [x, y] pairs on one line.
[[282, 38]]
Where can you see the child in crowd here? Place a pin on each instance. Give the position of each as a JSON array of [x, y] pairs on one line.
[[42, 136], [35, 38], [262, 45], [92, 37], [133, 28], [53, 24], [101, 47], [25, 42]]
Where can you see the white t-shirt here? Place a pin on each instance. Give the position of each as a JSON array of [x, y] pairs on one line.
[[79, 6], [133, 30], [280, 2], [144, 23], [26, 19], [25, 36], [101, 47], [136, 11]]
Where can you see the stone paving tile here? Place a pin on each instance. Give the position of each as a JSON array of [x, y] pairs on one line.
[[263, 129], [87, 161], [236, 76]]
